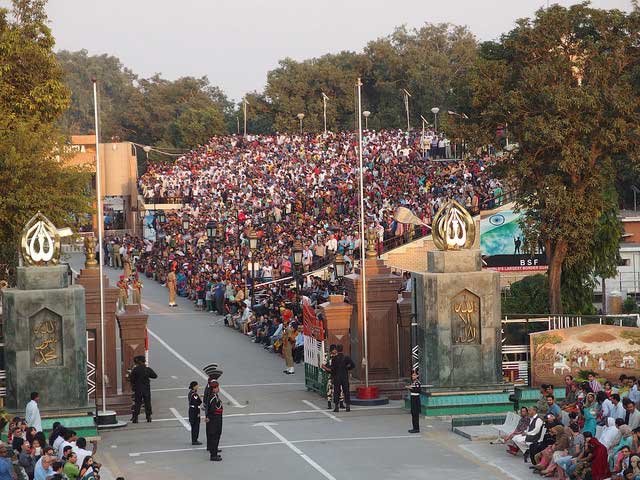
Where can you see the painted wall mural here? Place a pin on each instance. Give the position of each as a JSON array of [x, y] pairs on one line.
[[607, 350]]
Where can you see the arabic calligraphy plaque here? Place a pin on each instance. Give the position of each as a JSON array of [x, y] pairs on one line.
[[465, 318], [45, 335]]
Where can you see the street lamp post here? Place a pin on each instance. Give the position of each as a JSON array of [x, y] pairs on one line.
[[185, 229], [297, 263], [366, 114], [211, 233], [407, 95], [245, 103], [253, 246], [435, 111], [300, 117]]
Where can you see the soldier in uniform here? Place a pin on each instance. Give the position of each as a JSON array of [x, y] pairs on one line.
[[414, 395], [172, 282], [213, 410], [329, 356], [123, 292], [137, 291], [340, 367], [194, 412], [140, 376]]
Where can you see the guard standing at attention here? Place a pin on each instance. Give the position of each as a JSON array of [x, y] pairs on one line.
[[139, 377], [194, 412], [213, 410], [414, 395], [340, 367]]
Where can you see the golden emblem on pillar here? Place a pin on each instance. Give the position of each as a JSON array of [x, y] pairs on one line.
[[90, 252], [453, 227], [372, 241], [40, 242]]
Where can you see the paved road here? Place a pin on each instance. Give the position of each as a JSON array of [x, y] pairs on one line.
[[273, 427]]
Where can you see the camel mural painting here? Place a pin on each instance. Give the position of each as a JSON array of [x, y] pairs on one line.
[[605, 349]]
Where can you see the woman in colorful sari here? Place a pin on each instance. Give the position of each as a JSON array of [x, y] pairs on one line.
[[589, 413], [182, 284]]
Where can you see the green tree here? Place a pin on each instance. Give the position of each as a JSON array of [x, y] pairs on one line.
[[33, 172], [566, 82], [527, 296]]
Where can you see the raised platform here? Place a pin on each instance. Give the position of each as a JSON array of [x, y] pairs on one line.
[[446, 402]]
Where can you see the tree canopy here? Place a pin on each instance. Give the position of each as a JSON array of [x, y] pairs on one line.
[[566, 82], [33, 172]]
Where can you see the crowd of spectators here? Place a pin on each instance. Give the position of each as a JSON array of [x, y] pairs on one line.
[[593, 433], [30, 455], [288, 188]]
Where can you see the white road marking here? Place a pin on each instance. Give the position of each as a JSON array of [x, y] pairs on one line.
[[114, 446], [312, 440], [145, 307], [181, 396], [181, 419], [230, 386], [174, 377], [324, 412], [223, 392], [139, 462], [290, 412], [306, 458]]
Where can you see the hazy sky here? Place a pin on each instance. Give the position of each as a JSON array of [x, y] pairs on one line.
[[235, 43]]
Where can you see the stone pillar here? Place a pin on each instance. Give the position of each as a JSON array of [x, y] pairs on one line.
[[382, 321], [133, 337], [337, 314], [404, 333], [89, 278], [458, 306], [46, 342]]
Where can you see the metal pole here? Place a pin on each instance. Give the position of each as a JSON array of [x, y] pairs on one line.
[[324, 111], [253, 279], [300, 126], [100, 249], [406, 106], [245, 117], [363, 267], [415, 347]]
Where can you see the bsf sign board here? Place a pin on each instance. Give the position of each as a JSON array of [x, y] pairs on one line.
[[503, 245]]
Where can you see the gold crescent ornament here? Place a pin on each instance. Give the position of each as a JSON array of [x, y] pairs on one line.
[[453, 227], [40, 242]]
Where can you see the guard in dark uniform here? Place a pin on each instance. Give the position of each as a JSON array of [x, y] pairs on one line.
[[140, 376], [414, 396], [213, 409], [194, 412], [340, 367]]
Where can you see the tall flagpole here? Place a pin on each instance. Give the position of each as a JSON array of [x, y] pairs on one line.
[[100, 249], [362, 250]]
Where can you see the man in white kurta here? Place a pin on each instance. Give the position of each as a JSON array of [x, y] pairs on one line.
[[32, 414]]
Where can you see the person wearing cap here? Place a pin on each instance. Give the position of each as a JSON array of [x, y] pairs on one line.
[[139, 377], [123, 292], [414, 395], [213, 419], [172, 283], [194, 412], [288, 341]]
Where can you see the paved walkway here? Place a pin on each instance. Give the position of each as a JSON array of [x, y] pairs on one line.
[[273, 427]]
